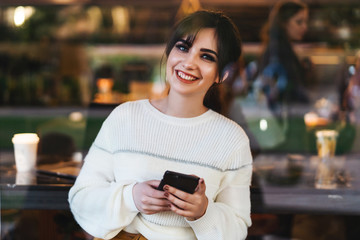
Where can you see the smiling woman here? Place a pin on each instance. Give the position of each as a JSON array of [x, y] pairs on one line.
[[192, 69], [116, 192], [224, 51]]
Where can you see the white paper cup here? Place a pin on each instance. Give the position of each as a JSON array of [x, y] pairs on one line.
[[25, 178], [25, 148]]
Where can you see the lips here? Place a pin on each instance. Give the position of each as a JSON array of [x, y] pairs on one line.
[[185, 77]]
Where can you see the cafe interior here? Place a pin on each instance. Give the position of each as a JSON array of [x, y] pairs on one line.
[[66, 64]]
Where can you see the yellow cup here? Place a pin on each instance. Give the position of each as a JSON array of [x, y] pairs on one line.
[[325, 172], [326, 143]]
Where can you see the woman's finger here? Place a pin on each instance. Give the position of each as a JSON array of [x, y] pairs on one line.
[[148, 200], [201, 186], [178, 193], [181, 212], [191, 206], [177, 201], [154, 183]]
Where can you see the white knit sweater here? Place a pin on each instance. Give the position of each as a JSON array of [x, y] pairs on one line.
[[138, 143]]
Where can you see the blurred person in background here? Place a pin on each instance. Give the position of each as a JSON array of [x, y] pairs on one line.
[[278, 80], [350, 100], [281, 73], [279, 77]]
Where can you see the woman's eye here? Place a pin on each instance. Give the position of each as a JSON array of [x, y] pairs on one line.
[[208, 57], [300, 22], [182, 47]]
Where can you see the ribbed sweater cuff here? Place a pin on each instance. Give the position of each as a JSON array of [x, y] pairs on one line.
[[128, 198], [203, 224]]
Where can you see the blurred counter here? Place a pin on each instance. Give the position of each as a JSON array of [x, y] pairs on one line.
[[282, 183], [46, 188]]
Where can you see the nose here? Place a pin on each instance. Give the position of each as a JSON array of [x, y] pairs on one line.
[[189, 61], [305, 26]]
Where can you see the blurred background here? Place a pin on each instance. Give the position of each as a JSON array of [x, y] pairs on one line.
[[65, 64], [59, 57]]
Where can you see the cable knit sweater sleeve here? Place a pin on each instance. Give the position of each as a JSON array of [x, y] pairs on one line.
[[228, 217], [96, 200]]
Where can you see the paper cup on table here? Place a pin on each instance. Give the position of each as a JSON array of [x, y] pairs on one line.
[[325, 172], [326, 143], [25, 178], [25, 148]]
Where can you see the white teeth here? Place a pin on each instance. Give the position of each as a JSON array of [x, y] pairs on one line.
[[186, 77]]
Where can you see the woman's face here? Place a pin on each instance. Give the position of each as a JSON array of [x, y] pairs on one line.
[[297, 25], [192, 69]]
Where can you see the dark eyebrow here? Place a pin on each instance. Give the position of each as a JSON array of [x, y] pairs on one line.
[[188, 43], [209, 51]]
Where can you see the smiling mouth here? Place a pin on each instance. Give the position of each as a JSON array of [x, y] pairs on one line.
[[186, 77]]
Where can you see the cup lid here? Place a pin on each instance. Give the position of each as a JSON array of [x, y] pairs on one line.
[[25, 138], [326, 133]]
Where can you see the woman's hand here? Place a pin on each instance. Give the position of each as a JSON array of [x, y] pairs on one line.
[[148, 200], [190, 206]]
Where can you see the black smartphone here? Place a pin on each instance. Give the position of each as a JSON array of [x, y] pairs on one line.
[[183, 182]]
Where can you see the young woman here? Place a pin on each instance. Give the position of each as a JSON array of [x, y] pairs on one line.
[[116, 189], [281, 71]]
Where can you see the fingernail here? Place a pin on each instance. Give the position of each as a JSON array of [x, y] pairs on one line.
[[166, 194], [166, 187]]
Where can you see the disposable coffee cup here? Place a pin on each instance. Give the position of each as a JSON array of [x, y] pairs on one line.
[[25, 149], [325, 172], [326, 143], [25, 178]]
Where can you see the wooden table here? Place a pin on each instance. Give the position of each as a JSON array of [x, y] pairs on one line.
[[285, 184]]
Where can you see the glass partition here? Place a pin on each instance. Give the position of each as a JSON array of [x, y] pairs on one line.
[[64, 65]]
